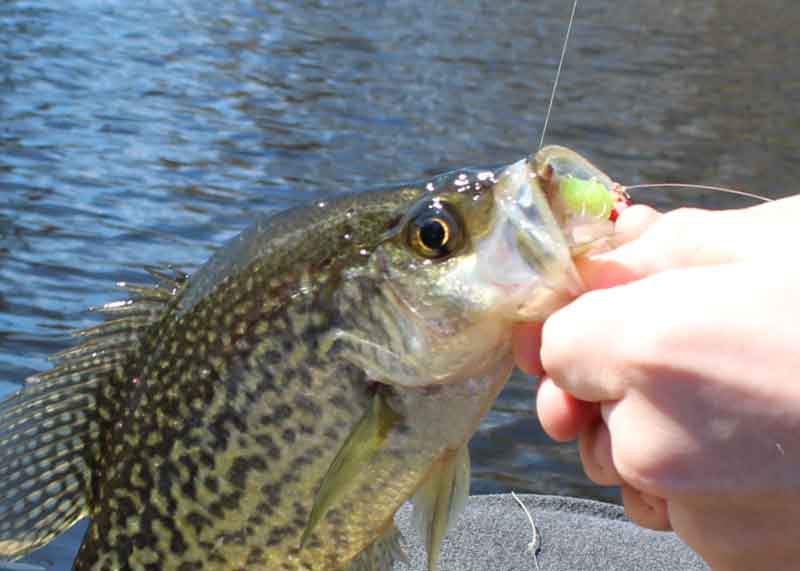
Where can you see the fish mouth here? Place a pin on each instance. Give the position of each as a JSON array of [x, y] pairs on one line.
[[586, 228], [526, 257]]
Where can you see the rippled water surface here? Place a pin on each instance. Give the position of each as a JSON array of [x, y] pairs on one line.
[[136, 133]]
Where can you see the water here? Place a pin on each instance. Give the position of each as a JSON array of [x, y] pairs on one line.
[[150, 132]]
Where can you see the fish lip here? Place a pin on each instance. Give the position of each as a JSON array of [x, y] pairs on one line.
[[530, 245]]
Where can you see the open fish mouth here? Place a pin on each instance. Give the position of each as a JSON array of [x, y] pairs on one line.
[[527, 256], [551, 207]]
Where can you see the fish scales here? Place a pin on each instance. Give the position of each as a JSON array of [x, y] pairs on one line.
[[234, 388], [275, 409]]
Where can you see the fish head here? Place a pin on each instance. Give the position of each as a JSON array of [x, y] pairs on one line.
[[474, 252], [427, 316]]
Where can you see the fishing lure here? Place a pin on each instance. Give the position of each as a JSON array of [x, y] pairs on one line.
[[591, 198], [587, 202], [584, 200]]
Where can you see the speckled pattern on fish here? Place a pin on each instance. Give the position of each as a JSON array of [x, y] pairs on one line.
[[274, 410]]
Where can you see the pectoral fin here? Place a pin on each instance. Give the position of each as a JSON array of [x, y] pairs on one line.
[[363, 443], [440, 500]]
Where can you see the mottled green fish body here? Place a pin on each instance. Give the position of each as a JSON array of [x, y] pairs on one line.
[[273, 411]]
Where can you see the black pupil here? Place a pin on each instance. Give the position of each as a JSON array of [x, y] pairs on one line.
[[432, 233]]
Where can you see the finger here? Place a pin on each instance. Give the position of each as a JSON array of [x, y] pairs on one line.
[[598, 272], [596, 457], [562, 416], [679, 239], [688, 237], [645, 510], [580, 345], [526, 340]]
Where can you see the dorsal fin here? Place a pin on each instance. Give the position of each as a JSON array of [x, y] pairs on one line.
[[48, 429]]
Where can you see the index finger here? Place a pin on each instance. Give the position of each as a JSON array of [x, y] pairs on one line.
[[688, 237]]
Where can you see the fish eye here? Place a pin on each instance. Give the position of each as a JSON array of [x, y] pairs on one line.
[[435, 232]]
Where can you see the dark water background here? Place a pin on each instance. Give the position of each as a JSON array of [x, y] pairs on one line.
[[136, 133]]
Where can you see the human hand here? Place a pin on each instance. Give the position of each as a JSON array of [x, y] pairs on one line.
[[679, 374]]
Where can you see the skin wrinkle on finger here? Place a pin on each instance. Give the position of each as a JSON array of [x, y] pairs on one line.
[[645, 510], [595, 450]]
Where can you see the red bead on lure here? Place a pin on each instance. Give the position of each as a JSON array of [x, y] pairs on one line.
[[622, 200]]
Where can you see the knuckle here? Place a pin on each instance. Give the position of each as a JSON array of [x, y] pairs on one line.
[[648, 341], [649, 459], [681, 222], [636, 465], [642, 467], [644, 509], [639, 351]]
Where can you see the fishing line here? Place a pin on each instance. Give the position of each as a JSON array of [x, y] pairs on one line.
[[678, 186], [558, 72]]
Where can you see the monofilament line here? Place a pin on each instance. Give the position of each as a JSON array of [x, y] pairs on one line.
[[536, 539], [680, 186], [558, 72]]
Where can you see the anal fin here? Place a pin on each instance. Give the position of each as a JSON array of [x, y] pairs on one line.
[[381, 555], [440, 500]]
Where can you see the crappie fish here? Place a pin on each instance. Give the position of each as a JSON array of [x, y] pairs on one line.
[[275, 409]]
